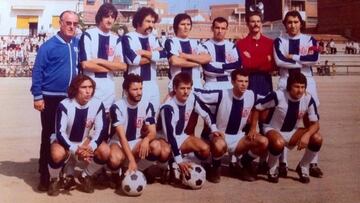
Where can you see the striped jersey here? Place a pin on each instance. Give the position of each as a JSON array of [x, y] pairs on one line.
[[288, 112], [94, 44], [303, 49], [175, 116], [232, 112], [175, 46], [75, 122], [134, 41], [224, 59], [131, 117]]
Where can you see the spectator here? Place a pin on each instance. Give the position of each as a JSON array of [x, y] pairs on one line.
[[333, 49]]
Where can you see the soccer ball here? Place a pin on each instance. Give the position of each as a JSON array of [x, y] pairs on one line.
[[134, 183], [197, 177]]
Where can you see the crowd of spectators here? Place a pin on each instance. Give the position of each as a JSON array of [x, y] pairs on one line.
[[17, 54]]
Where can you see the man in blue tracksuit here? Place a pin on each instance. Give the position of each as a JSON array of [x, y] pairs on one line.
[[54, 68]]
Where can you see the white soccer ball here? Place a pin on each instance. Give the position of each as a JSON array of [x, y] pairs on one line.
[[197, 177], [134, 183]]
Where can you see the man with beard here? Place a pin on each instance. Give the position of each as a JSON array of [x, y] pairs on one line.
[[141, 52], [133, 120]]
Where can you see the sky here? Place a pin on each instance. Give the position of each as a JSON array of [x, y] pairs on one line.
[[178, 6]]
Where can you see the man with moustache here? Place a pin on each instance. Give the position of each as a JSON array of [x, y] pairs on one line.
[[256, 51], [134, 138], [54, 68], [141, 52]]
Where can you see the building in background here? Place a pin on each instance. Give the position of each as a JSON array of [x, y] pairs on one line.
[[339, 17], [32, 17]]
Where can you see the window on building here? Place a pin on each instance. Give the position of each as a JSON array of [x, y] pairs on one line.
[[55, 22], [22, 22], [90, 2]]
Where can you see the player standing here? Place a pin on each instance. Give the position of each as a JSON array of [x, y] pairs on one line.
[[184, 54], [55, 66], [141, 52]]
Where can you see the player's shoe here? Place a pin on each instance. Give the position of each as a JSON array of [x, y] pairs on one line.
[[43, 184], [247, 173], [273, 177], [283, 170], [303, 174], [86, 184], [263, 168], [315, 171], [68, 182], [214, 174], [54, 187]]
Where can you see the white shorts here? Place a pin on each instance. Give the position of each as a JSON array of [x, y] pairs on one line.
[[285, 135], [311, 87], [220, 85], [151, 93], [132, 143], [232, 141], [180, 139], [105, 91]]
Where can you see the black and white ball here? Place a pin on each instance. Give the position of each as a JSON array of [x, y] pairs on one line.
[[197, 177], [134, 183]]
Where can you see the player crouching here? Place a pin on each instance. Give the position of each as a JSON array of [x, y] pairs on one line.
[[133, 119], [284, 128], [76, 117]]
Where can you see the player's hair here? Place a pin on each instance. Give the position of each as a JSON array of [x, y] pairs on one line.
[[178, 18], [296, 77], [219, 20], [131, 78], [141, 14], [182, 78], [294, 14], [253, 13], [105, 10], [75, 84], [67, 11], [238, 71]]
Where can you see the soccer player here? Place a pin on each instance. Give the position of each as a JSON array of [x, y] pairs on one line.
[[133, 118], [224, 57], [184, 54], [174, 115], [234, 107], [101, 54], [296, 52], [291, 105], [55, 66], [76, 117], [141, 52]]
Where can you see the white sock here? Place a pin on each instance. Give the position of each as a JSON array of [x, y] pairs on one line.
[[306, 159], [54, 172], [69, 168], [315, 160], [91, 168], [273, 163], [284, 155]]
